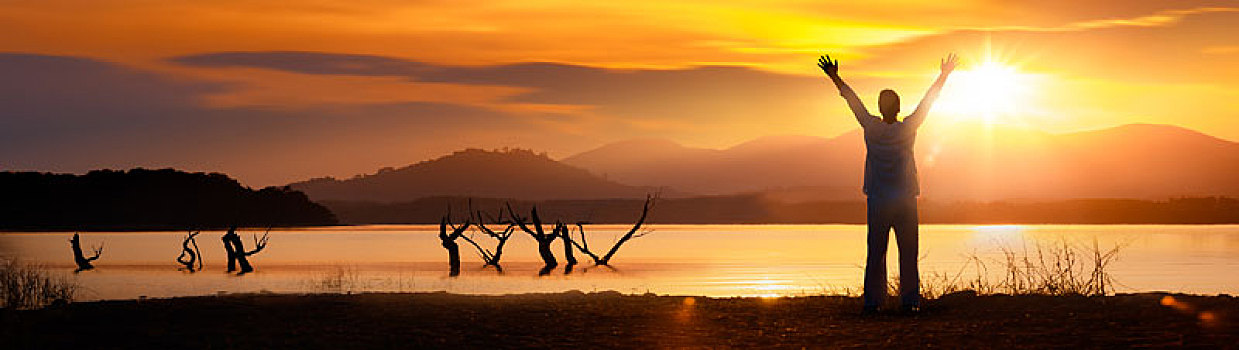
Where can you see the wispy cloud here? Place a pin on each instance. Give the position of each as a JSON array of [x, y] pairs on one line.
[[1160, 18]]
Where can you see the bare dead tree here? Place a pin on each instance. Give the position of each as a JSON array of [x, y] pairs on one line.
[[259, 243], [544, 239], [449, 242], [488, 257], [236, 250], [83, 263], [583, 244], [190, 257], [229, 249], [566, 238]]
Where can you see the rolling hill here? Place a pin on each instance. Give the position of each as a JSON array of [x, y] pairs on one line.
[[956, 162], [961, 162], [473, 172]]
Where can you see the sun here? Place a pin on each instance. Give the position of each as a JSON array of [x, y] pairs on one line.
[[990, 92]]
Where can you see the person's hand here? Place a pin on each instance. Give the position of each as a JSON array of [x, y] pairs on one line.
[[830, 67], [948, 63]]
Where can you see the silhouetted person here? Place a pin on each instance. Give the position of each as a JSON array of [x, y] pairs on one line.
[[890, 184]]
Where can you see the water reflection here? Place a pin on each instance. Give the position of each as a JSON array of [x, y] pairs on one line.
[[712, 260], [1002, 233]]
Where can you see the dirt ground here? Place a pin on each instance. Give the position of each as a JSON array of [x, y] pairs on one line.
[[611, 320]]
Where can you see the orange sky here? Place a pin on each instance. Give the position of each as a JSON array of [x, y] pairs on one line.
[[277, 91]]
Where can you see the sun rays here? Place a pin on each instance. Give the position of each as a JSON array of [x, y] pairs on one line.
[[991, 91]]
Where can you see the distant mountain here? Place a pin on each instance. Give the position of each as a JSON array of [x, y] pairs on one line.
[[519, 174], [142, 199], [956, 162], [768, 163]]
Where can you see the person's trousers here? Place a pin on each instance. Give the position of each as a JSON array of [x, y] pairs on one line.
[[885, 213]]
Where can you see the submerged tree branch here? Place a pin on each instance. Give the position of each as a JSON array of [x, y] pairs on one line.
[[259, 244], [635, 232], [190, 256], [83, 262]]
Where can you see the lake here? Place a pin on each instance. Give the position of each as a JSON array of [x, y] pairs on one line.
[[711, 260]]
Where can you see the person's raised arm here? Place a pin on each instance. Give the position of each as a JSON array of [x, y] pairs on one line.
[[918, 116], [858, 108]]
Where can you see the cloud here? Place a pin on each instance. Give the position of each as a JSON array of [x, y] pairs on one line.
[[309, 62], [773, 35], [1084, 69], [713, 100], [75, 114], [75, 98], [1157, 19], [66, 113], [275, 92]]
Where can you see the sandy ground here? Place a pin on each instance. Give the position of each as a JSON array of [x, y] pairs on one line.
[[611, 320]]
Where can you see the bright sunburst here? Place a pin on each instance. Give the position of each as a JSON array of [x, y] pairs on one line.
[[989, 91]]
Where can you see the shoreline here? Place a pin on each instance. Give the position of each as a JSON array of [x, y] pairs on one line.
[[315, 227], [129, 229], [611, 319]]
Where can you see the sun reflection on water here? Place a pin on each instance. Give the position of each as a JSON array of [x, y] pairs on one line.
[[719, 260], [998, 234]]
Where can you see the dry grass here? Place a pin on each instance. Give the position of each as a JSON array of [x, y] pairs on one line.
[[31, 286], [1057, 268], [340, 279]]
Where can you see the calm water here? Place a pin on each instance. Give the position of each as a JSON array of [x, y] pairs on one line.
[[712, 260]]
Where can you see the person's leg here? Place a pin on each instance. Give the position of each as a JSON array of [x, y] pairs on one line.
[[879, 222], [907, 237]]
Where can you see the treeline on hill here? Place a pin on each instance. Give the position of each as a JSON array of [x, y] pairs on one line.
[[759, 209], [142, 199]]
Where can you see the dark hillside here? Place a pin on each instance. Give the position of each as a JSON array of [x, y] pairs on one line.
[[142, 199]]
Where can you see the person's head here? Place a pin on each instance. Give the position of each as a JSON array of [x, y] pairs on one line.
[[888, 103]]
